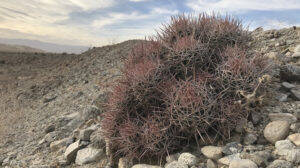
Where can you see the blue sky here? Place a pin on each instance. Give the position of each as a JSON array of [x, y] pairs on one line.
[[101, 22]]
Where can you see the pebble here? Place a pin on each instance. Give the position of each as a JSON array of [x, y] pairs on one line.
[[287, 86], [283, 146]]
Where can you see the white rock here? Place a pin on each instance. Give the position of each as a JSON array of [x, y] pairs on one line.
[[283, 146], [71, 151], [295, 138], [283, 117], [211, 164], [243, 163], [212, 152], [176, 164], [297, 48], [293, 156], [280, 164], [145, 166], [228, 159], [188, 159], [276, 130], [54, 146], [88, 155]]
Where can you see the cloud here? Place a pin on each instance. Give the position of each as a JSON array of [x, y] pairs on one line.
[[238, 6], [164, 11], [276, 24], [42, 18], [138, 0]]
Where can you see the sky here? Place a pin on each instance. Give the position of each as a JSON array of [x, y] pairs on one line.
[[102, 22]]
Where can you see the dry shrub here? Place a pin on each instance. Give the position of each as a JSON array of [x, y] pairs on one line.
[[196, 78]]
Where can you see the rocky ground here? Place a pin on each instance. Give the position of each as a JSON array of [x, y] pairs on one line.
[[50, 106]]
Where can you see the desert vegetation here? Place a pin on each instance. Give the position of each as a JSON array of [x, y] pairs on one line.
[[193, 81]]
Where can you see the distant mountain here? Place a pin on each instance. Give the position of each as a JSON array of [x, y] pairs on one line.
[[18, 48], [48, 47]]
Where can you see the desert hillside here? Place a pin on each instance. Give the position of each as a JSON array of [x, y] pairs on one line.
[[50, 109], [18, 48]]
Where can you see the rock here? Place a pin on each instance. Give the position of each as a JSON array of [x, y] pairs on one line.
[[90, 112], [283, 146], [50, 128], [232, 148], [295, 127], [276, 130], [212, 152], [287, 86], [85, 134], [124, 163], [6, 161], [283, 117], [188, 159], [250, 139], [49, 99], [297, 114], [290, 73], [50, 137], [211, 164], [145, 166], [243, 163], [255, 117], [173, 157], [272, 55], [293, 156], [295, 94], [280, 164], [176, 164], [54, 146], [228, 159], [282, 97], [296, 55], [259, 158], [71, 151], [295, 138], [241, 125], [88, 155]]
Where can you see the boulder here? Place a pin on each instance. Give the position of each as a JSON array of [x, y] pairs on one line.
[[295, 138], [212, 152], [287, 86], [145, 166], [88, 155], [243, 163], [290, 73], [276, 130], [280, 164], [295, 94], [283, 117], [176, 164], [71, 151], [211, 164], [228, 159], [188, 159]]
